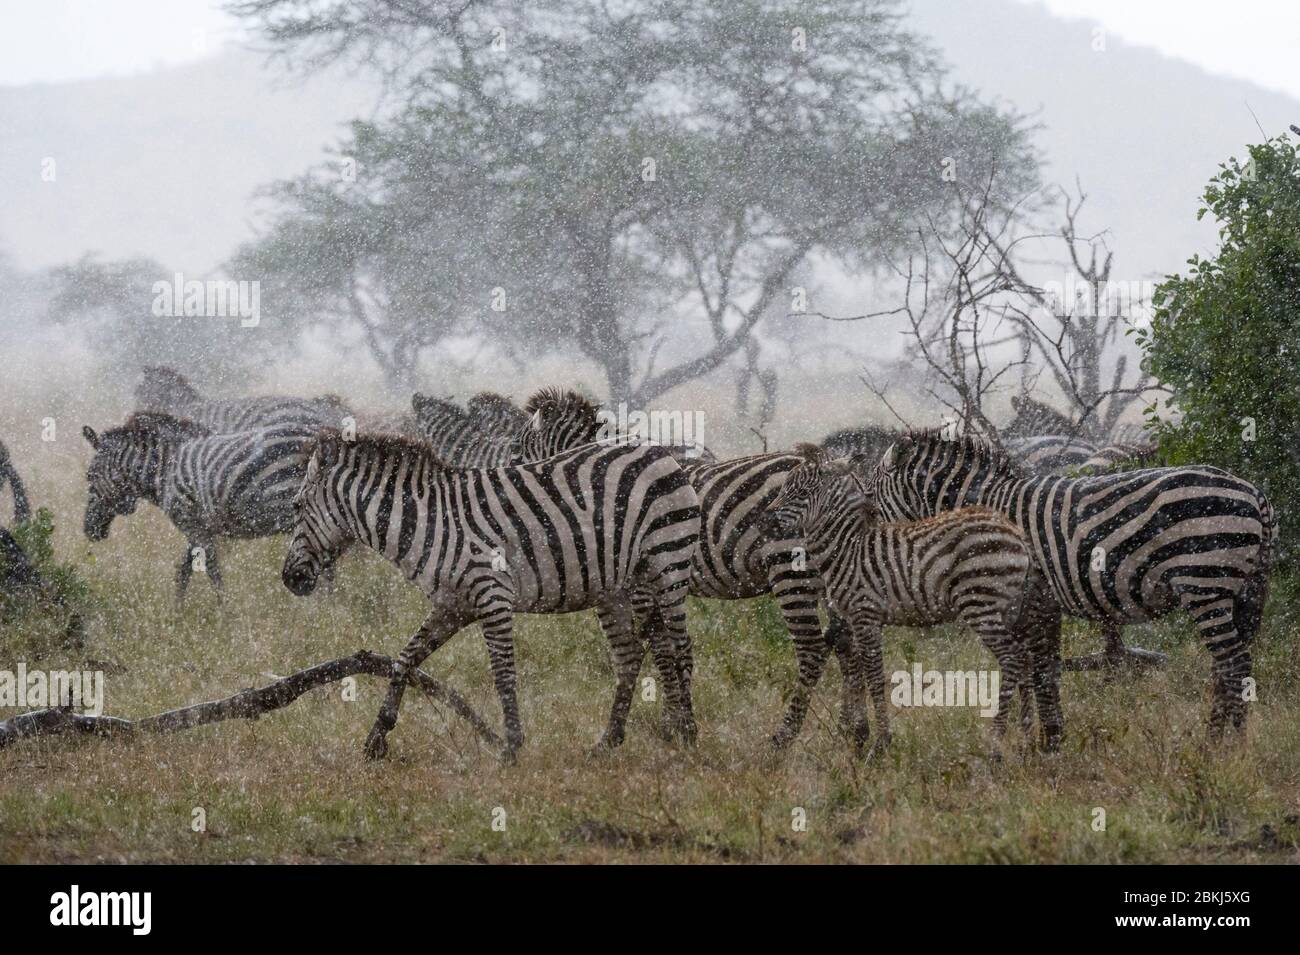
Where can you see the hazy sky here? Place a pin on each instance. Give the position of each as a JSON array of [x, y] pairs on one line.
[[52, 40]]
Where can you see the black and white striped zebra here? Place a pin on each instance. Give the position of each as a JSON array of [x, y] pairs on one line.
[[739, 555], [477, 436], [602, 527], [166, 391], [1046, 441], [209, 485], [969, 565], [1120, 548]]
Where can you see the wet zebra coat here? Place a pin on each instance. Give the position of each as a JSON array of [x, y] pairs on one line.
[[595, 527], [476, 436], [209, 485], [739, 554], [1119, 548], [970, 565], [166, 391]]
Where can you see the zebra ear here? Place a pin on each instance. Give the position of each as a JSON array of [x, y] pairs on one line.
[[90, 436]]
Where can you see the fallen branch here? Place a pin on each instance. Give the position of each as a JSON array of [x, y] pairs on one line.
[[246, 704]]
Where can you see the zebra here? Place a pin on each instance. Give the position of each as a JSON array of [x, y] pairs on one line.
[[970, 565], [166, 391], [9, 473], [1049, 442], [1120, 548], [477, 436], [866, 443], [604, 527], [739, 556], [209, 485]]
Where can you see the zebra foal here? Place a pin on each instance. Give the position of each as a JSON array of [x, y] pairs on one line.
[[970, 565], [609, 528], [1119, 548]]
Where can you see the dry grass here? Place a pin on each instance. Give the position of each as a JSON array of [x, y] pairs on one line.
[[293, 786]]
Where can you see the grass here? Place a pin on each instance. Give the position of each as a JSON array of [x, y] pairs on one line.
[[293, 786]]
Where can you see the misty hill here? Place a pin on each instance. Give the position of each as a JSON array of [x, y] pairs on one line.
[[166, 164]]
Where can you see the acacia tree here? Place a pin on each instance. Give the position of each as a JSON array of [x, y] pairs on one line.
[[637, 181]]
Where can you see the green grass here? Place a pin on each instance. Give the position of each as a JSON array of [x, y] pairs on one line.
[[293, 786]]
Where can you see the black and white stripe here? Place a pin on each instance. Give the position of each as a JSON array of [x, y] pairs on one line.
[[739, 556], [209, 485], [166, 391], [970, 565], [602, 527], [477, 436], [1120, 548]]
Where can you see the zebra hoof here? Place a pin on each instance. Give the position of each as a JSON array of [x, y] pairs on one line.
[[510, 756], [376, 746]]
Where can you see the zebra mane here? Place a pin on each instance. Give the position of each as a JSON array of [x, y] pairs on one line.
[[916, 442], [159, 424], [811, 453], [330, 443], [426, 406], [489, 405], [564, 400]]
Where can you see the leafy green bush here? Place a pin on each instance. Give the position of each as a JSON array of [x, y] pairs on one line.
[[51, 605], [1225, 337]]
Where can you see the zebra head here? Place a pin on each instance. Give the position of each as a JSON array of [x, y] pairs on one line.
[[129, 463], [319, 532], [111, 480], [822, 491], [925, 472], [557, 420]]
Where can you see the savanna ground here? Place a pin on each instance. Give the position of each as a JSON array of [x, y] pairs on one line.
[[293, 786]]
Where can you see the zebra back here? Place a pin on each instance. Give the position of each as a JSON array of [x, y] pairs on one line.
[[166, 391], [1112, 547], [555, 534], [461, 438]]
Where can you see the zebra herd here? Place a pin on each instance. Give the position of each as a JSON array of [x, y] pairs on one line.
[[493, 509]]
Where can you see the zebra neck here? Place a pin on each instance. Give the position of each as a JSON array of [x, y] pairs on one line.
[[149, 474], [832, 537], [1004, 493], [376, 501]]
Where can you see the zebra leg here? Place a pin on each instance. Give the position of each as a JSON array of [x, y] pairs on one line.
[[210, 564], [873, 661], [1013, 662], [1217, 617], [853, 711], [811, 648], [671, 605], [652, 629], [1042, 635], [183, 571], [498, 631], [437, 629], [625, 653]]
